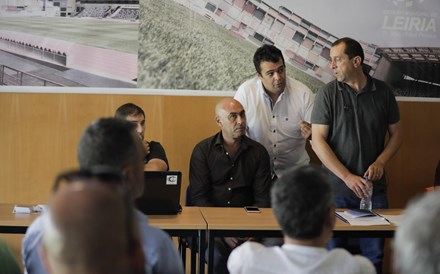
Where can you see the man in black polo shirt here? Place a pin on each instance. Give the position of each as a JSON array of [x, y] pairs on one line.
[[351, 117], [229, 170]]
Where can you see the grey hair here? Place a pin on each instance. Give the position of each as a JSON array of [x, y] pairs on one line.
[[417, 241]]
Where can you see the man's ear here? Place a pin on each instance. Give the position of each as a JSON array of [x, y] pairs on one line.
[[218, 121], [258, 75], [127, 174], [330, 218], [357, 61]]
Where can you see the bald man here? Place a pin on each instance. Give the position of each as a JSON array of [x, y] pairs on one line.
[[72, 245], [229, 170]]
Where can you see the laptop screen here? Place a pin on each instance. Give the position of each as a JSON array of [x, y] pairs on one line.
[[161, 194]]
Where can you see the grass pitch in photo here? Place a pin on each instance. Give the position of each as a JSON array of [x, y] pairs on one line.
[[181, 49]]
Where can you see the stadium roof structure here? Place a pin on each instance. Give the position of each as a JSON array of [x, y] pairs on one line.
[[419, 63]]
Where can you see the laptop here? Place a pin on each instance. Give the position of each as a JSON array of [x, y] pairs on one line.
[[161, 193]]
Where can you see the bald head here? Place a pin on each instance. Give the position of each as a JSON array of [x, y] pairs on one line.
[[225, 104], [86, 230], [231, 118]]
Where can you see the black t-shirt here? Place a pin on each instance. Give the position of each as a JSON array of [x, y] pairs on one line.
[[156, 152]]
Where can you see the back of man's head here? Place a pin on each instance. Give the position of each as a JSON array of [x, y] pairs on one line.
[[128, 109], [114, 143], [416, 243], [86, 229], [301, 200]]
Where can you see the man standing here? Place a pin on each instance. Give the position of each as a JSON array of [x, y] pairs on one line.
[[155, 158], [302, 202], [277, 109], [350, 120], [229, 170]]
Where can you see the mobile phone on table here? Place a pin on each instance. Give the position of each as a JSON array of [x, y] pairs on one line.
[[252, 209]]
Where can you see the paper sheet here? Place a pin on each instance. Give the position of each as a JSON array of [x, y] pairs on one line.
[[365, 221]]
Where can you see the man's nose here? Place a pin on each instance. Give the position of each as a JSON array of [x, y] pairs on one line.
[[241, 119], [139, 128]]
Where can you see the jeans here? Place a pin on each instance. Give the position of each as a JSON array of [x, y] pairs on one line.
[[372, 248]]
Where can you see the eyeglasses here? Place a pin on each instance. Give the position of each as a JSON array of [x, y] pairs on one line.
[[102, 173]]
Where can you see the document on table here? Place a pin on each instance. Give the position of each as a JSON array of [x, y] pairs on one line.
[[362, 218]]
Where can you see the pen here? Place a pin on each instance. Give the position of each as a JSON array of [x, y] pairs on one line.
[[341, 218], [382, 217]]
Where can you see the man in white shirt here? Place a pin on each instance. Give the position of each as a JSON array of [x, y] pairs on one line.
[[278, 110], [303, 204]]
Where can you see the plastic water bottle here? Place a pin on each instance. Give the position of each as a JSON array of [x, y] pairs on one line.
[[366, 201]]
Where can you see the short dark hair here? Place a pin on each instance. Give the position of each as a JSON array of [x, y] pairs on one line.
[[267, 53], [109, 142], [352, 47], [301, 199], [128, 109]]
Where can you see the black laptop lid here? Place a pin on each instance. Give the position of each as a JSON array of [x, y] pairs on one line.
[[161, 193]]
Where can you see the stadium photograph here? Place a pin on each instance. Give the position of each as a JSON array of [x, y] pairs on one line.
[[69, 43]]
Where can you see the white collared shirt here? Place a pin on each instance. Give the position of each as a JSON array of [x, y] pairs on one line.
[[254, 258], [275, 124]]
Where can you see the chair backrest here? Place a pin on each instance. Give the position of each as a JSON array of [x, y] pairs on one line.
[[188, 201]]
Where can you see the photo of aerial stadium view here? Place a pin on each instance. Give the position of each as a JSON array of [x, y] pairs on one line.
[[181, 49], [69, 43], [209, 44]]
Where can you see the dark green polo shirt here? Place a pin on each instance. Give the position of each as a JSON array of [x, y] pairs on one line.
[[358, 124]]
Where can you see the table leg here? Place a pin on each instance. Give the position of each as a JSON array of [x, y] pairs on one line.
[[211, 251], [202, 250]]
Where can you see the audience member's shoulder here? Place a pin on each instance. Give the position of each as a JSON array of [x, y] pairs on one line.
[[349, 263], [298, 86], [248, 251], [34, 232]]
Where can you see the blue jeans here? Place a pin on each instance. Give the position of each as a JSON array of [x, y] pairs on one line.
[[372, 248]]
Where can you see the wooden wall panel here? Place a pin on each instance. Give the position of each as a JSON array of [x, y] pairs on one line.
[[413, 167], [39, 134]]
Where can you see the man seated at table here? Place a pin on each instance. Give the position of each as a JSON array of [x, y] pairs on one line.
[[71, 245], [229, 170], [302, 202], [155, 158], [113, 142], [416, 243]]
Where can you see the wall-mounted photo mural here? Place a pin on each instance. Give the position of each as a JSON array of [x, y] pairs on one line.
[[209, 44], [69, 43]]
